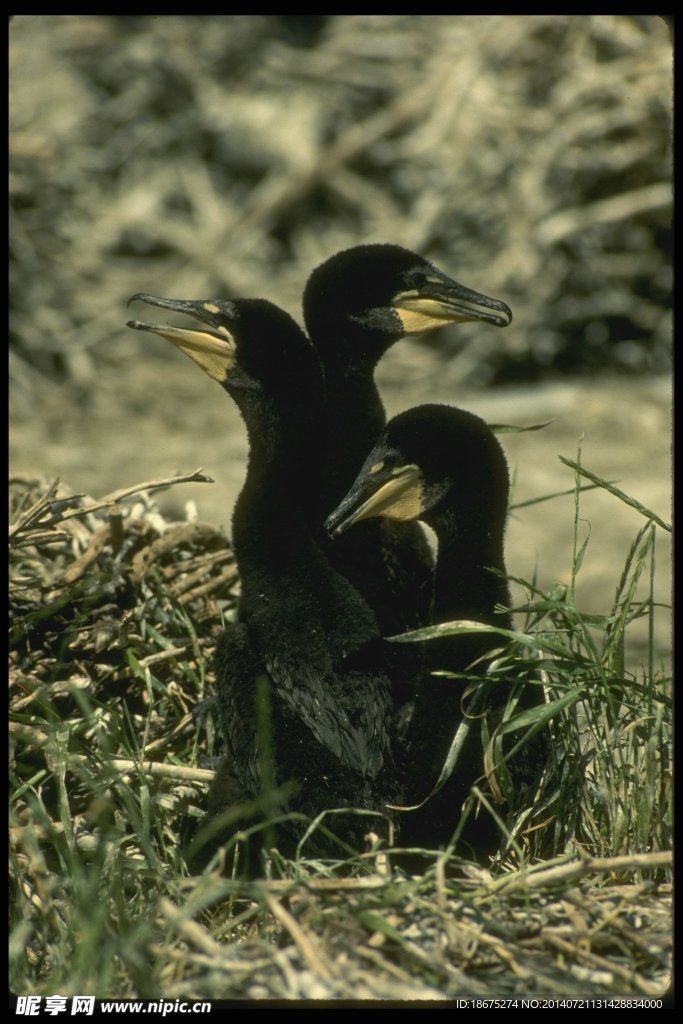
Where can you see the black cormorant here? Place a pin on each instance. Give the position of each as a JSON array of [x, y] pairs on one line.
[[445, 467], [303, 631], [356, 305]]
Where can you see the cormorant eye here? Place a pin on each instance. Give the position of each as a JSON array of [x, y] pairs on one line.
[[418, 280], [392, 462]]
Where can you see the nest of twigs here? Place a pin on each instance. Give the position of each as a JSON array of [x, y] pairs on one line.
[[113, 616], [101, 591]]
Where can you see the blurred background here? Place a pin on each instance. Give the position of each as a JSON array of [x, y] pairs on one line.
[[191, 156]]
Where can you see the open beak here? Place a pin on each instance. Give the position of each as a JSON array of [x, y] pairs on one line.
[[390, 493], [212, 349]]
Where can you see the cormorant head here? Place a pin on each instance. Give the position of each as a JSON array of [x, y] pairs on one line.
[[242, 344], [365, 298], [430, 462]]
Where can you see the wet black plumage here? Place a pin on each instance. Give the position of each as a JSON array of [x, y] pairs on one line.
[[305, 641], [446, 467], [356, 305]]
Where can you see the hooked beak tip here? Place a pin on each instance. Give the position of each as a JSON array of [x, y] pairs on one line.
[[332, 529]]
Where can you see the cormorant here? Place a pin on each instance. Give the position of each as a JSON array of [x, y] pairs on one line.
[[445, 467], [356, 305], [304, 635]]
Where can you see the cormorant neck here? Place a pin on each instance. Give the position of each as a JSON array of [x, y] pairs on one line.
[[291, 595], [355, 417], [278, 506], [464, 586]]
